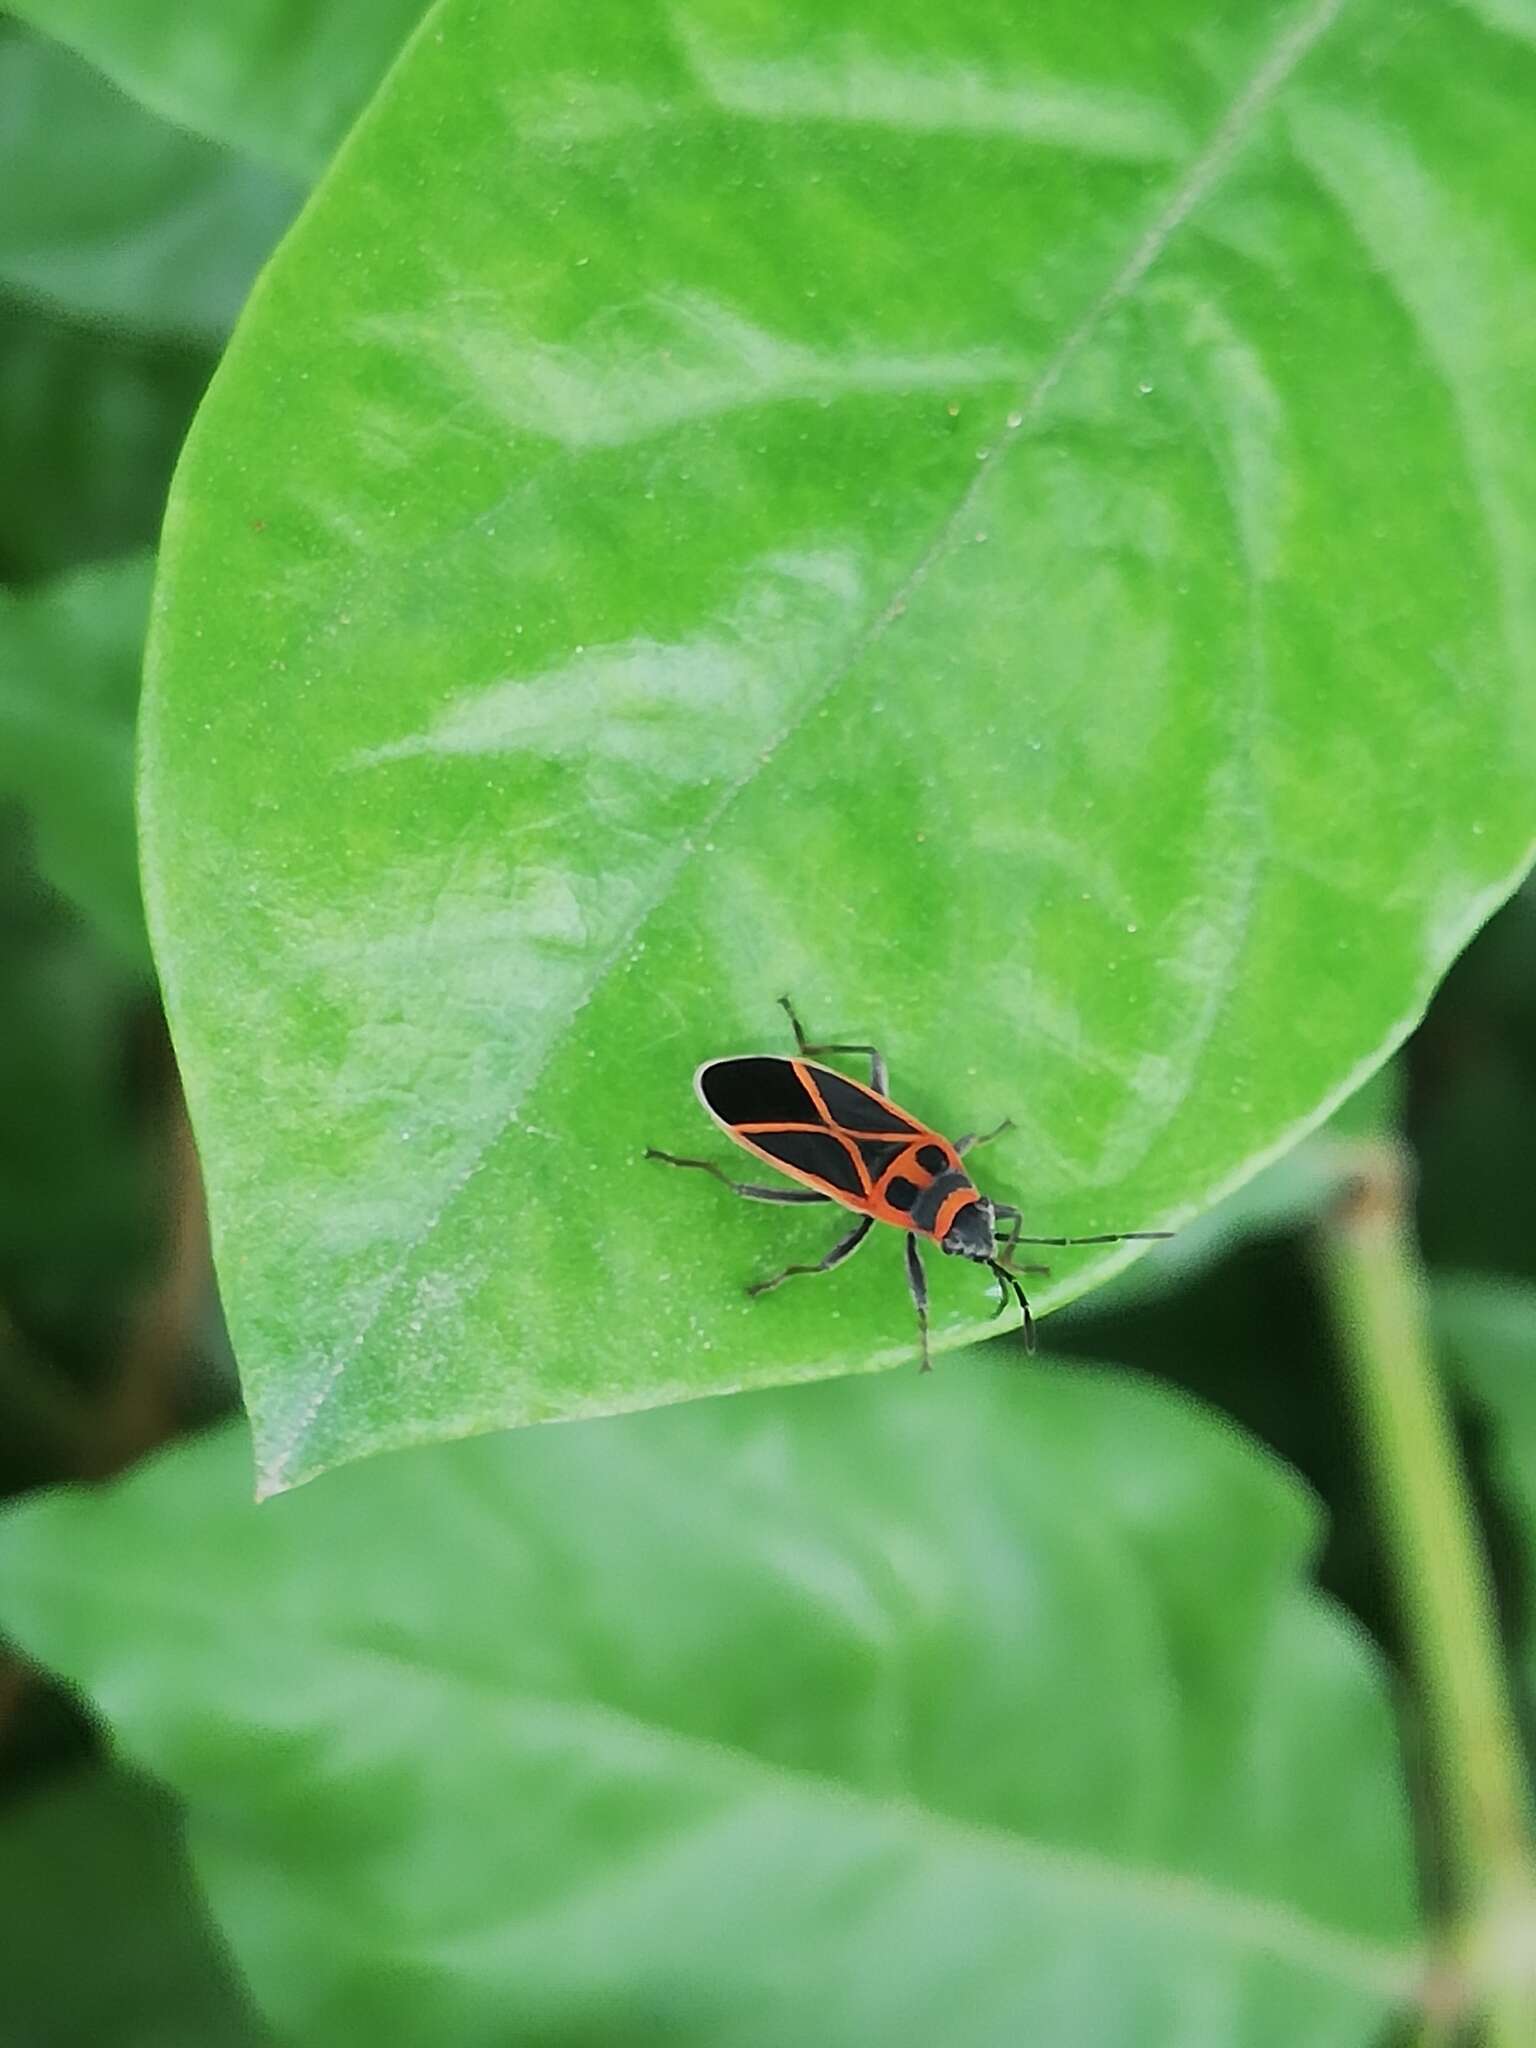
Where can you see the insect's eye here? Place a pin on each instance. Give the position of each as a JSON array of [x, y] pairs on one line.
[[931, 1159]]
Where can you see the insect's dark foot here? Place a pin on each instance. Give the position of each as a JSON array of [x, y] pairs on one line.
[[925, 1365]]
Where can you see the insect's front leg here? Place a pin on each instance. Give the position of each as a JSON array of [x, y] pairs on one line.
[[1007, 1278], [917, 1280], [1005, 1212], [878, 1076]]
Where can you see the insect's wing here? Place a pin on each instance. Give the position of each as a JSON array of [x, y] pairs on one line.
[[771, 1109], [853, 1107]]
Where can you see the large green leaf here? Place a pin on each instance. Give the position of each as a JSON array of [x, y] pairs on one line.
[[69, 689], [1281, 1198], [281, 80], [1016, 531], [986, 1711], [114, 215]]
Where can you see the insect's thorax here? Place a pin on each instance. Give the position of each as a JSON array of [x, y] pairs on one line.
[[938, 1200], [952, 1211]]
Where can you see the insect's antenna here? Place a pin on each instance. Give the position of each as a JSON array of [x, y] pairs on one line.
[[1009, 1279], [1109, 1237]]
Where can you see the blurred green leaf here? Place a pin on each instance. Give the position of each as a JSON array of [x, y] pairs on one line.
[[1488, 1330], [90, 425], [69, 685], [114, 215], [659, 541], [1475, 1104], [106, 1941], [281, 81], [78, 1216], [979, 1709]]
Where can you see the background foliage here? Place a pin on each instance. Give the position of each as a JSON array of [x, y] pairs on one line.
[[1036, 1703]]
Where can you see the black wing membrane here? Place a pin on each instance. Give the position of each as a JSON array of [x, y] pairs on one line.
[[877, 1153], [855, 1109], [811, 1152], [756, 1090]]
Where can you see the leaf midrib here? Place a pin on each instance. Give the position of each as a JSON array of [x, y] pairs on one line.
[[1290, 48]]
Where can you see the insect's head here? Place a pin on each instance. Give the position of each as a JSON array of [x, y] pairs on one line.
[[972, 1235]]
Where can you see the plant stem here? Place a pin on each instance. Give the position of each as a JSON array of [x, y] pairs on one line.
[[1477, 1773]]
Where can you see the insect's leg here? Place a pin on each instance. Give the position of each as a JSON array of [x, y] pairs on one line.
[[1007, 1279], [752, 1192], [1008, 1214], [878, 1077], [843, 1249], [1005, 1212], [1024, 1311], [972, 1139], [917, 1280]]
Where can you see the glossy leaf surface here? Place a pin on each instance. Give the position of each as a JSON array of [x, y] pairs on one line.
[[1013, 530], [1282, 1198], [983, 1710]]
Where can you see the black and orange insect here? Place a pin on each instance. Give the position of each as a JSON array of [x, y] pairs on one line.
[[849, 1143]]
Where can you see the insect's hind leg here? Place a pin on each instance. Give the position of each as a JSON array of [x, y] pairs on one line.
[[878, 1075], [749, 1189], [843, 1249], [917, 1280]]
